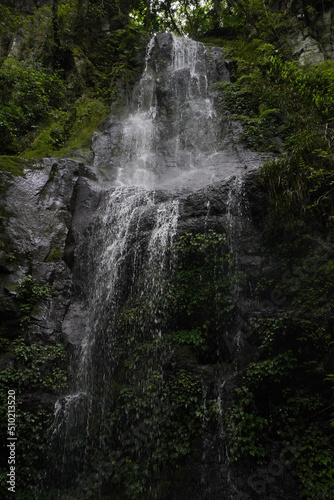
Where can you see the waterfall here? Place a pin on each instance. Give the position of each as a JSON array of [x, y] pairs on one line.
[[113, 261], [121, 427], [173, 135], [152, 154]]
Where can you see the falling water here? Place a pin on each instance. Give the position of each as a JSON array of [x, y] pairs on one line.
[[167, 145], [172, 136], [148, 146], [113, 260]]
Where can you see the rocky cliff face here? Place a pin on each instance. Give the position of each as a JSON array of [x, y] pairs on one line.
[[58, 207], [150, 373], [310, 34], [36, 240]]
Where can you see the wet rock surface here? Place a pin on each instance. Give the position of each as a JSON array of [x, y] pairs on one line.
[[60, 210], [35, 240], [173, 136], [94, 235]]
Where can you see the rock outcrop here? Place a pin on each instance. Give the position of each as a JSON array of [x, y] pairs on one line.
[[102, 239]]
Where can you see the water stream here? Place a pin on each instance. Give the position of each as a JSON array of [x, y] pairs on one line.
[[169, 144]]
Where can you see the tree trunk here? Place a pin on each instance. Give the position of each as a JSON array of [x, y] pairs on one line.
[[56, 47]]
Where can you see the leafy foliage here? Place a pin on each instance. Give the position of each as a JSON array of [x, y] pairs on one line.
[[35, 367], [286, 394], [284, 107], [31, 369], [35, 372], [287, 108], [159, 405], [185, 17], [68, 133], [27, 95], [28, 295], [91, 55], [88, 53], [253, 16], [10, 20], [201, 281], [245, 427]]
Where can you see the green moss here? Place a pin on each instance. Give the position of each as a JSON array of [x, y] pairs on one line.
[[55, 255], [14, 164], [11, 287], [89, 114], [213, 42], [69, 134]]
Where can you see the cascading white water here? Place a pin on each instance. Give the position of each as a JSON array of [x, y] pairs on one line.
[[166, 141], [173, 137], [147, 149], [169, 142], [112, 261]]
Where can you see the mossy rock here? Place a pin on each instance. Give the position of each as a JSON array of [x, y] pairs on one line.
[[69, 134], [14, 164], [11, 287], [55, 256]]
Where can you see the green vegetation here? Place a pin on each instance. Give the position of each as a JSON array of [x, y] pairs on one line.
[[36, 372], [27, 95], [29, 295], [183, 17], [55, 89], [14, 165], [35, 367], [178, 412], [56, 255], [90, 53], [69, 133], [88, 58], [286, 395], [159, 405], [35, 117], [202, 289]]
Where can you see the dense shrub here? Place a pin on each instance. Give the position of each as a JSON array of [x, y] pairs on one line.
[[27, 95]]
